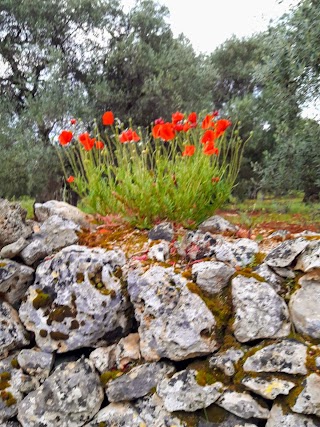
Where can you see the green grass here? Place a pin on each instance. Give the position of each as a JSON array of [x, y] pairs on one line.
[[290, 209], [27, 203]]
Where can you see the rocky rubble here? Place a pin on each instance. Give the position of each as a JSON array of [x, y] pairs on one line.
[[199, 328]]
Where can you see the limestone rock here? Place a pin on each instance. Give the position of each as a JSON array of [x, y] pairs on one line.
[[12, 223], [259, 311], [287, 356], [70, 397], [54, 207], [264, 271], [154, 414], [15, 279], [104, 358], [13, 386], [229, 420], [138, 382], [280, 418], [285, 253], [217, 224], [117, 415], [76, 300], [212, 276], [309, 259], [197, 245], [36, 363], [127, 351], [181, 392], [242, 404], [239, 253], [162, 231], [159, 252], [173, 322], [305, 309], [308, 401], [55, 233], [12, 333], [268, 388], [13, 249], [226, 361]]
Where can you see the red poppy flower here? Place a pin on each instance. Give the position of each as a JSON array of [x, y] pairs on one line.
[[208, 136], [189, 150], [208, 122], [159, 121], [73, 121], [129, 136], [70, 179], [186, 127], [221, 126], [215, 114], [178, 127], [86, 141], [210, 149], [65, 137], [192, 117], [167, 132], [99, 145], [156, 130], [177, 117], [108, 118]]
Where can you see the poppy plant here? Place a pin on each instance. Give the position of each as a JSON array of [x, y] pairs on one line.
[[192, 118], [70, 179], [189, 150], [129, 136], [73, 121], [65, 137], [108, 118], [86, 141], [208, 122]]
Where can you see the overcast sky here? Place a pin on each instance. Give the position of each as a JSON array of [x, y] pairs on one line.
[[208, 23]]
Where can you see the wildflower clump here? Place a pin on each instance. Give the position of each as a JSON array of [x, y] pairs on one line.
[[182, 170]]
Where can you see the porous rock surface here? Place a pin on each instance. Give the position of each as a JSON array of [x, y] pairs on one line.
[[12, 223], [182, 392], [76, 300], [70, 397], [195, 332], [259, 311], [171, 318]]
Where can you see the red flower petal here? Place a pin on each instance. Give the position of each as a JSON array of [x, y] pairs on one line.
[[189, 150], [70, 179], [108, 118], [65, 137]]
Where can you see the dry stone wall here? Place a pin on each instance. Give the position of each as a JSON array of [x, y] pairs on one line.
[[203, 330]]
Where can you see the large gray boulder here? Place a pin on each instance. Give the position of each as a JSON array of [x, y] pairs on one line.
[[70, 397], [12, 223], [287, 356], [259, 311], [173, 322], [15, 279], [239, 253], [269, 388], [217, 224], [76, 300]]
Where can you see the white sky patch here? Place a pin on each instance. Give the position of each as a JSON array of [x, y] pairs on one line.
[[208, 23]]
